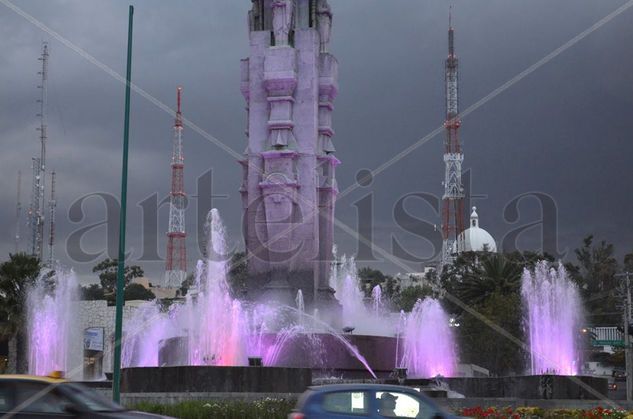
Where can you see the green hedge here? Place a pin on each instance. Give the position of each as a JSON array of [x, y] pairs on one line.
[[261, 409]]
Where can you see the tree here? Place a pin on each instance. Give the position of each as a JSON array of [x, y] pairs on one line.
[[595, 275], [482, 345], [186, 284], [17, 275], [107, 271], [490, 284], [92, 292], [465, 265], [390, 287], [528, 259], [407, 297], [369, 278], [494, 275], [138, 292], [597, 266]]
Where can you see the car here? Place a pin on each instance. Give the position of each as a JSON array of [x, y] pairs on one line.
[[356, 401], [30, 396]]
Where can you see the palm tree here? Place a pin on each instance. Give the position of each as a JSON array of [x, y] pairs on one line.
[[494, 274], [17, 275]]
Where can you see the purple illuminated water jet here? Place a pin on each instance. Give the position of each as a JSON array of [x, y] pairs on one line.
[[214, 325], [553, 318], [52, 327], [429, 346], [219, 333], [367, 319], [219, 330], [378, 305], [212, 328]]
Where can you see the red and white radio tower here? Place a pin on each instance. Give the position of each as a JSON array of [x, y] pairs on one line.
[[52, 208], [176, 265], [453, 199]]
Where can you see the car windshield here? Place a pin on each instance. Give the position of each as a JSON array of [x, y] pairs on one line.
[[90, 399]]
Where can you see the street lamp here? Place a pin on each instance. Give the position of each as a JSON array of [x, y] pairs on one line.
[[120, 283]]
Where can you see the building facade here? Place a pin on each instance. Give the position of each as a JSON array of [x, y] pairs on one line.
[[289, 187]]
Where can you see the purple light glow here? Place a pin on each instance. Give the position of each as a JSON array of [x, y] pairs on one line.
[[52, 325], [554, 317], [212, 328], [220, 330], [214, 324], [429, 346]]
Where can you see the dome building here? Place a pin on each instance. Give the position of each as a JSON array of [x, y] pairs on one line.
[[475, 238]]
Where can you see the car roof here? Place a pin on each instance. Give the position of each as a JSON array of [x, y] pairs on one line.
[[38, 378], [364, 386]]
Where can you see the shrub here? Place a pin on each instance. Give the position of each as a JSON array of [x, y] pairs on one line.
[[261, 409]]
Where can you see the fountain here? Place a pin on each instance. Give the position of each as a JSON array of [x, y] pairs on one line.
[[299, 302], [207, 339], [553, 320], [52, 325], [211, 328], [368, 319], [429, 347], [378, 305]]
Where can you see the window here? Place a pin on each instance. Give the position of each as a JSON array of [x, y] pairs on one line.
[[5, 398], [346, 402], [38, 398], [401, 405], [90, 399]]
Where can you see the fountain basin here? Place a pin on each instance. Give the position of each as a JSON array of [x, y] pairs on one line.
[[214, 379], [333, 358], [525, 387], [321, 352]]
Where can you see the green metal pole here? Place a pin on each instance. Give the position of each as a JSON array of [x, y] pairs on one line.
[[120, 280]]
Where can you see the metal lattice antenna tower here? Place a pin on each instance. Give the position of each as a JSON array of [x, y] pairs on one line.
[[453, 199], [52, 207], [33, 212], [36, 210], [176, 263], [18, 212]]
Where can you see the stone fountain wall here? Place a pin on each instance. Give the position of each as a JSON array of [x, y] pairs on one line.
[[215, 379], [99, 314]]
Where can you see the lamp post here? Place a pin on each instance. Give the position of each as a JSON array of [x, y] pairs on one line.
[[120, 282], [626, 316]]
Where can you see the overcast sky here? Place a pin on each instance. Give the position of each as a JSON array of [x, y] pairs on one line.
[[565, 130]]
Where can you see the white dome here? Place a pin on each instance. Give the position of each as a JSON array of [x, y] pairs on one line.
[[475, 238]]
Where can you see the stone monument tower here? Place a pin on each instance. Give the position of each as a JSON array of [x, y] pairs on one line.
[[289, 188]]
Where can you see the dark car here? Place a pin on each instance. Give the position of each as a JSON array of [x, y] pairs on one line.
[[356, 401], [26, 396]]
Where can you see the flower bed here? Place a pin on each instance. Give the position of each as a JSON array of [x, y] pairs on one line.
[[261, 409], [536, 412], [279, 409]]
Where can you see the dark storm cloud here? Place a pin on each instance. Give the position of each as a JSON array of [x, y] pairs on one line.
[[564, 130]]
